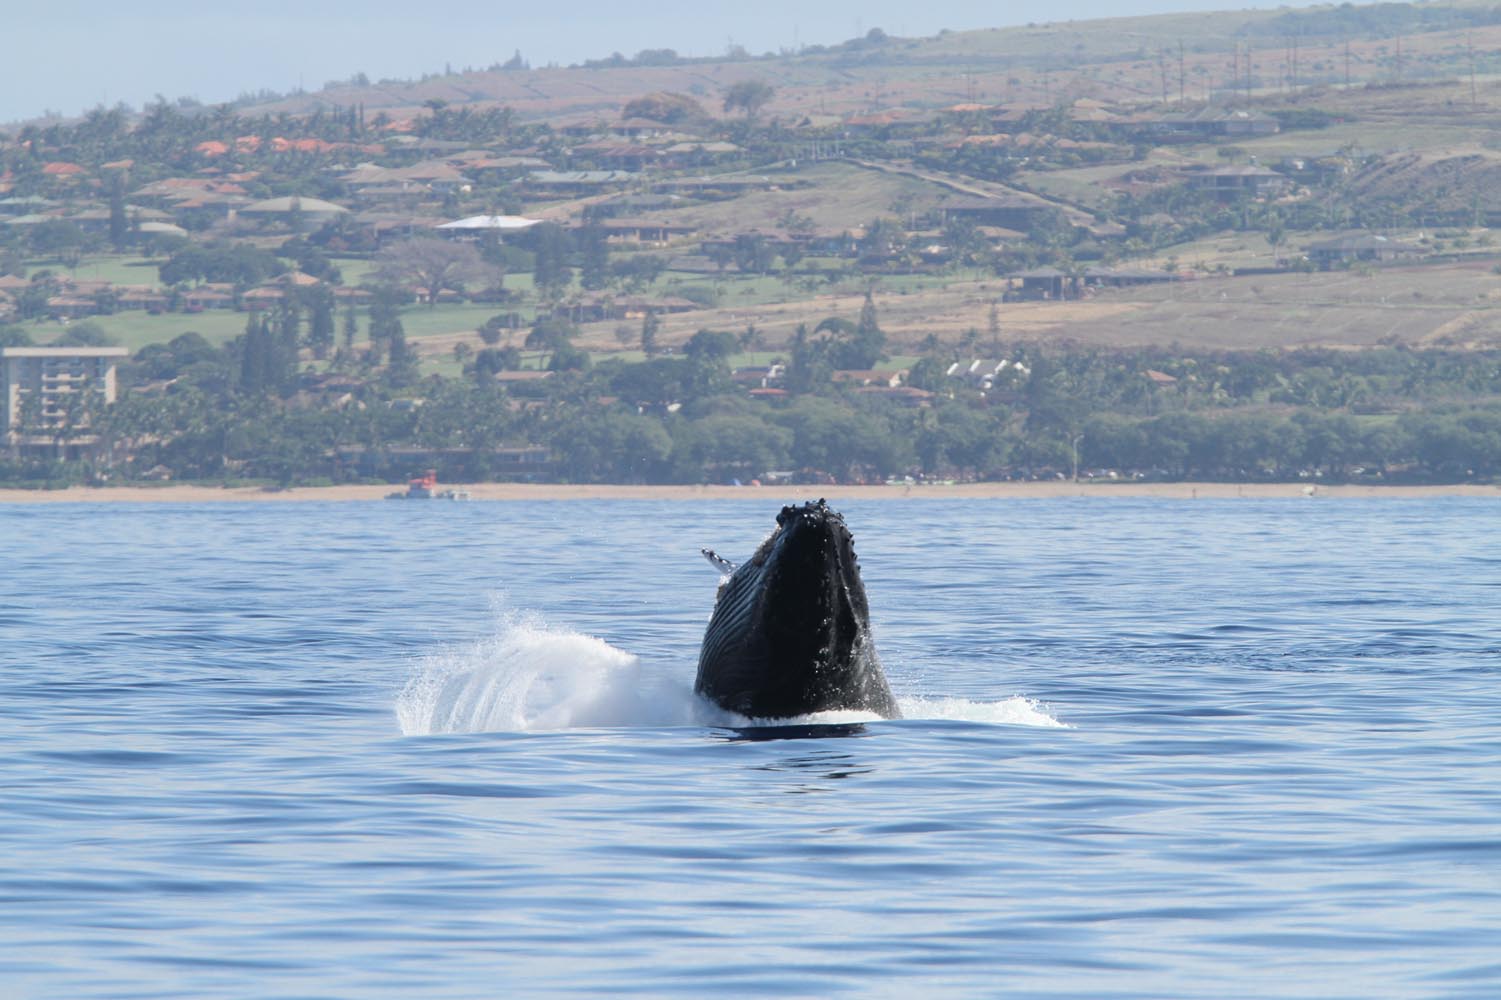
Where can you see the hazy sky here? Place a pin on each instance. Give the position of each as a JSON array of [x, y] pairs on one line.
[[70, 55]]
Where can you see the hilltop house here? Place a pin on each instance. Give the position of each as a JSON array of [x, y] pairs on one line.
[[1041, 283], [1008, 213], [1354, 247], [1235, 181], [1208, 123]]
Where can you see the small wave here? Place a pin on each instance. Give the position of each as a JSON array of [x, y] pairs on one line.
[[532, 677], [1016, 711]]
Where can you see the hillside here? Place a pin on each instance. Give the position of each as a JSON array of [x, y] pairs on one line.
[[1246, 245], [1126, 59]]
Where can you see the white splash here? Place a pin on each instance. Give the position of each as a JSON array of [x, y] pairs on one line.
[[1017, 711], [531, 677]]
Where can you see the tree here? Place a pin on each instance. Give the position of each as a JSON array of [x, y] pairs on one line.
[[752, 255], [594, 272], [288, 339], [566, 357], [1275, 230], [665, 106], [550, 274], [402, 370], [649, 326], [961, 436], [385, 318], [810, 367], [710, 346], [256, 356], [853, 345], [241, 264], [60, 239], [85, 334], [637, 272], [119, 225], [611, 446], [489, 330], [351, 326], [549, 333], [14, 336], [495, 359], [748, 96], [722, 446], [882, 239], [431, 264], [866, 349], [321, 321]]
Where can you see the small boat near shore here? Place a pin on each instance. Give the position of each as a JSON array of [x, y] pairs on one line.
[[425, 487]]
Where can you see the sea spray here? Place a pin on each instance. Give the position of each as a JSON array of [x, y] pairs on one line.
[[1017, 711], [530, 676]]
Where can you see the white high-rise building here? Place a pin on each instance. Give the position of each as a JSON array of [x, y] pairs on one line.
[[50, 394]]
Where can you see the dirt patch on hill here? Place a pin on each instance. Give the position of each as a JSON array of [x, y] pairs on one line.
[[1433, 306], [1452, 306], [1443, 181]]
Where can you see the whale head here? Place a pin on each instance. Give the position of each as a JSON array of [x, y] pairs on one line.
[[790, 633]]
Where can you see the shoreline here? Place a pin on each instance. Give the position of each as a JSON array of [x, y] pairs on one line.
[[514, 492]]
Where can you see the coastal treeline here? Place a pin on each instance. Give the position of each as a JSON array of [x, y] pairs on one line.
[[244, 412]]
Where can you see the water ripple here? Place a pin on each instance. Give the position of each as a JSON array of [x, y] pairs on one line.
[[1150, 750]]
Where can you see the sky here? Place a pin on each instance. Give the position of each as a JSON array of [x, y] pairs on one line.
[[67, 56]]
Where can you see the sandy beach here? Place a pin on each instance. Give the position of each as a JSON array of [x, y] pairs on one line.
[[176, 493]]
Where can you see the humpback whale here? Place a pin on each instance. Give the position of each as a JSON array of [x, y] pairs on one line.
[[790, 633]]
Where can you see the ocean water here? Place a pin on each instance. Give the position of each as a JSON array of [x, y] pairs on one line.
[[1151, 749]]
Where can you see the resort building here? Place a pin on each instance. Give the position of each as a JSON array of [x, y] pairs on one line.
[[49, 395]]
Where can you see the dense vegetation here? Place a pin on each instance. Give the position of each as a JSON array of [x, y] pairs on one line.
[[245, 413]]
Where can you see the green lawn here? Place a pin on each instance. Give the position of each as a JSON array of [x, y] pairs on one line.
[[135, 329], [420, 321], [121, 270]]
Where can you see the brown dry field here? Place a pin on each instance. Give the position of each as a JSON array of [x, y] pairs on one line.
[[1444, 305], [1451, 305], [517, 492]]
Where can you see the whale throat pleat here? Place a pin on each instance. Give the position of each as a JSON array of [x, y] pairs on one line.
[[730, 624]]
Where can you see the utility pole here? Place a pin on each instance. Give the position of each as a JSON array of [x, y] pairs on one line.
[[1182, 77], [1248, 74], [1470, 48]]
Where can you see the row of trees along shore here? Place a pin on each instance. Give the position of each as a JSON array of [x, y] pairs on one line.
[[246, 412]]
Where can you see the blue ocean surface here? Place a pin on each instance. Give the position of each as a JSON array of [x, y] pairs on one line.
[[1151, 749]]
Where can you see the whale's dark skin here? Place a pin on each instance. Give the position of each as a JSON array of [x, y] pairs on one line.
[[790, 633]]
